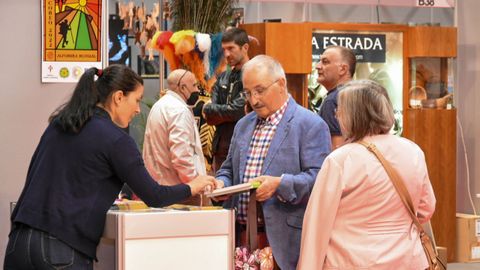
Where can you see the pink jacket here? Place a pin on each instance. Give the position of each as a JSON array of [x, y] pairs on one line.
[[355, 218]]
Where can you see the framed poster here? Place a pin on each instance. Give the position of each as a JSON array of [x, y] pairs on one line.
[[119, 52], [148, 69], [72, 34], [379, 58]]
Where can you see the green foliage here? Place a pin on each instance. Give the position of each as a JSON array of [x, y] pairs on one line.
[[204, 16], [139, 123]]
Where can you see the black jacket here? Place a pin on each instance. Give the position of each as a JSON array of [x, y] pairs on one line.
[[73, 179], [226, 109]]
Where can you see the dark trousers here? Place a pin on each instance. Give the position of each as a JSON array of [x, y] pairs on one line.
[[29, 248], [241, 236]]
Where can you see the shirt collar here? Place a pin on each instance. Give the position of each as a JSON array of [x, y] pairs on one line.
[[275, 118], [333, 90], [338, 87], [176, 95], [102, 113]]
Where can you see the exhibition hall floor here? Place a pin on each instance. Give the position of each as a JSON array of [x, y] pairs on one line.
[[463, 266]]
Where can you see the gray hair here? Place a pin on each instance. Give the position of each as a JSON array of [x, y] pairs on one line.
[[364, 109], [265, 62]]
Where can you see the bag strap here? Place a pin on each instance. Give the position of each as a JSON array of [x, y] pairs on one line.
[[252, 221], [397, 183]]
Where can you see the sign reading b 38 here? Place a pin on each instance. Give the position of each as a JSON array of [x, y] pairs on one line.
[[436, 3]]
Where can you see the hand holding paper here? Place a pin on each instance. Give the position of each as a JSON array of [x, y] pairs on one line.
[[228, 191], [268, 186], [220, 185], [199, 183]]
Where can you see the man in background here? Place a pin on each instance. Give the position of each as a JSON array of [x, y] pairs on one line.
[[172, 150], [227, 105], [335, 68]]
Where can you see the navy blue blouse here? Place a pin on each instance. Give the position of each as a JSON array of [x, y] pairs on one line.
[[73, 179]]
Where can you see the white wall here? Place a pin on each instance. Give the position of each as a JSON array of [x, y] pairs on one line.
[[25, 103], [467, 99], [299, 12]]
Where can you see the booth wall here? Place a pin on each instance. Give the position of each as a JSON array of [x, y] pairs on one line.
[[26, 103], [467, 100], [256, 12]]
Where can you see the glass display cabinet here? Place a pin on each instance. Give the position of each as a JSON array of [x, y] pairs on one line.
[[431, 119], [432, 83]]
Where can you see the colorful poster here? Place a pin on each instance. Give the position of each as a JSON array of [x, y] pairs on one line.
[[379, 58], [72, 37]]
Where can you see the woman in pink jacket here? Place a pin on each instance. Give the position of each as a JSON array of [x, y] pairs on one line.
[[355, 218]]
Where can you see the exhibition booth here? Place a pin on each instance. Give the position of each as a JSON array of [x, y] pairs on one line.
[[415, 62]]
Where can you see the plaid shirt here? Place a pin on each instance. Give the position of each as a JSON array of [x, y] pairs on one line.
[[257, 151]]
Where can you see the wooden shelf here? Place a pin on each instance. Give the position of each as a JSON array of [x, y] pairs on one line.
[[289, 43], [429, 41], [434, 130]]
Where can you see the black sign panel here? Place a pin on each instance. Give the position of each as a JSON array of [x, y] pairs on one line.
[[367, 47]]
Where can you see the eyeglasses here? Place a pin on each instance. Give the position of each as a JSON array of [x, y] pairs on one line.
[[257, 92]]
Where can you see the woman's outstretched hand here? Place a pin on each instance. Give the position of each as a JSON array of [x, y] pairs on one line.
[[202, 183]]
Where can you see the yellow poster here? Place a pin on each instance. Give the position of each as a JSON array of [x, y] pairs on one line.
[[72, 38]]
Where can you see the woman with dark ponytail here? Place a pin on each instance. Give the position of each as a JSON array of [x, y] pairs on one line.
[[81, 162]]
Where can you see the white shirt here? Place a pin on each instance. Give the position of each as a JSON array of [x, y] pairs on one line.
[[172, 149]]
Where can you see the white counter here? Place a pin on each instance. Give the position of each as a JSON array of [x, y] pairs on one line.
[[167, 239]]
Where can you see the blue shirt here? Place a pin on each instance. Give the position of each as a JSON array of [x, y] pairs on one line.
[[327, 112], [73, 179]]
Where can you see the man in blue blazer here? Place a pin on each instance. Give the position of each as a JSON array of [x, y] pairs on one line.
[[282, 145]]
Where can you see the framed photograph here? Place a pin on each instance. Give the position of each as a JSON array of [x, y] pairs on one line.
[[148, 68], [237, 17], [119, 52]]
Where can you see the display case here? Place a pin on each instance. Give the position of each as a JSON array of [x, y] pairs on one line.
[[432, 83], [431, 119]]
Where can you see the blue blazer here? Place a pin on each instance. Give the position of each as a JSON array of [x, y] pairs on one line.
[[296, 153]]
